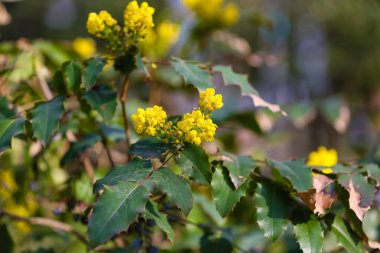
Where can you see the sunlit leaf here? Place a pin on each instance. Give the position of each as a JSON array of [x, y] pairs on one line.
[[152, 212], [309, 236], [345, 238], [8, 129], [201, 171]]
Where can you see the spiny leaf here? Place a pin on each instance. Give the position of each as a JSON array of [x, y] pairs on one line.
[[310, 236], [102, 100], [177, 188], [241, 80], [192, 73], [373, 172], [201, 172], [91, 71], [361, 194], [272, 207], [8, 129], [225, 196], [152, 212], [239, 167], [135, 171], [115, 210], [5, 111], [150, 148], [296, 172], [45, 119], [72, 75], [345, 238]]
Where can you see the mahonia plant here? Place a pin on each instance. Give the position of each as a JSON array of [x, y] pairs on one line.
[[166, 178]]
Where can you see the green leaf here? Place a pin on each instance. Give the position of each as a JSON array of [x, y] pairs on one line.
[[309, 236], [232, 78], [373, 172], [371, 224], [152, 212], [102, 100], [126, 63], [54, 52], [77, 147], [296, 172], [177, 188], [45, 119], [72, 75], [93, 67], [345, 238], [211, 243], [239, 167], [5, 111], [272, 209], [57, 83], [225, 196], [192, 73], [364, 188], [135, 171], [8, 129], [150, 148], [115, 210], [201, 172]]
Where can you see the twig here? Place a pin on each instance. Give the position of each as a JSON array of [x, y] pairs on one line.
[[46, 223], [88, 168], [106, 147], [42, 82], [123, 100]]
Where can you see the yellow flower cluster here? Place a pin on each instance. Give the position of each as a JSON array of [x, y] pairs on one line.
[[209, 101], [214, 11], [157, 43], [195, 127], [97, 23], [138, 19], [149, 121], [323, 157]]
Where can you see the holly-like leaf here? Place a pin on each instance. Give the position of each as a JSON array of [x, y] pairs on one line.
[[201, 171], [192, 73], [77, 147], [373, 172], [177, 188], [8, 129], [345, 238], [211, 243], [115, 210], [134, 171], [152, 212], [272, 207], [309, 236], [224, 195], [93, 67], [232, 78], [361, 194], [102, 100], [241, 80], [45, 119], [72, 75], [296, 172], [239, 167], [150, 148]]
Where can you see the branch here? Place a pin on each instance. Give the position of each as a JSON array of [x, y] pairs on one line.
[[54, 224], [123, 100]]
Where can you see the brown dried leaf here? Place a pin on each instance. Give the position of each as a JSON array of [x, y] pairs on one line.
[[354, 201]]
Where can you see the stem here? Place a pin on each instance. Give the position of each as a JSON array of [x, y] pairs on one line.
[[107, 148], [123, 100], [46, 223]]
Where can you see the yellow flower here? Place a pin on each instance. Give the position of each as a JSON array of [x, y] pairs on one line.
[[157, 42], [107, 18], [85, 47], [323, 157], [138, 19], [230, 14], [150, 120], [95, 24], [209, 101], [196, 127]]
